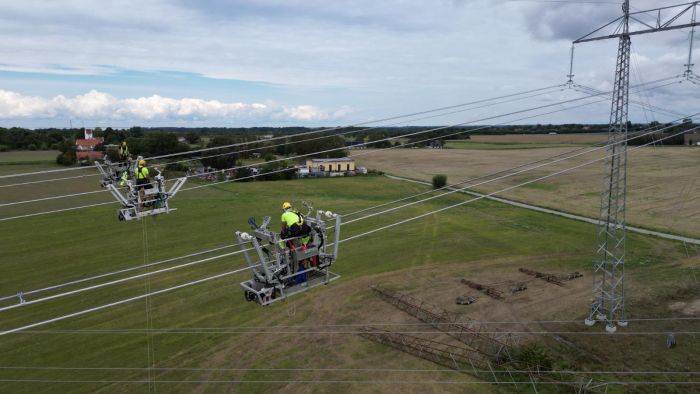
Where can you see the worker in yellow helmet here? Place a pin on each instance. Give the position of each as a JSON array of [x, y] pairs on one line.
[[293, 226], [142, 176], [123, 151], [143, 181], [289, 219]]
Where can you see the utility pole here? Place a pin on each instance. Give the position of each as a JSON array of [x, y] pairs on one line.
[[608, 304]]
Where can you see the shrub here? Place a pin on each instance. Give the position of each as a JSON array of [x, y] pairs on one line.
[[180, 167], [31, 147], [439, 181], [535, 357], [66, 159], [244, 173]]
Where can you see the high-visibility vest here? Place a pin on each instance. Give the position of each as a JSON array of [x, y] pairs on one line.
[[123, 150], [141, 172], [124, 178], [291, 218]]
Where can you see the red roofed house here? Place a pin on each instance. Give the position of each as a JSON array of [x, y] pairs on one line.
[[85, 147]]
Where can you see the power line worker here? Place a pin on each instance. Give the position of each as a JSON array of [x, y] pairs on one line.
[[123, 151], [143, 181], [142, 176], [293, 226], [124, 178]]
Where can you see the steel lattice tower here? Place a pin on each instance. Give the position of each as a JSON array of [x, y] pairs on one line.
[[609, 267]]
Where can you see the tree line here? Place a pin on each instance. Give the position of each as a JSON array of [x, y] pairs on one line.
[[155, 141]]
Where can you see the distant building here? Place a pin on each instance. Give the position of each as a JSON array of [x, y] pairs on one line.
[[435, 145], [85, 147], [183, 140], [691, 139], [331, 167], [302, 171], [355, 145]]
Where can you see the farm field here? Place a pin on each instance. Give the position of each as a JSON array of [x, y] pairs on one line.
[[207, 332], [524, 141], [476, 145], [578, 138], [663, 193]]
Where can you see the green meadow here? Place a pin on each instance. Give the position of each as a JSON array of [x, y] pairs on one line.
[[206, 338]]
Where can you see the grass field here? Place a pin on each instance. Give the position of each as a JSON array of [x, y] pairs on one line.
[[28, 157], [663, 191], [205, 332]]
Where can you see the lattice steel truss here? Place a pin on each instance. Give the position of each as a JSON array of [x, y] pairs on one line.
[[497, 348], [609, 267]]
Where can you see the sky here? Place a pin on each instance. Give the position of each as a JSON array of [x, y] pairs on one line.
[[238, 63]]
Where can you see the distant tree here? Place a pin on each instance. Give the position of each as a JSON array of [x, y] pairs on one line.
[[136, 131], [331, 146], [275, 171], [156, 143], [380, 143], [66, 158], [192, 138], [244, 174], [222, 158]]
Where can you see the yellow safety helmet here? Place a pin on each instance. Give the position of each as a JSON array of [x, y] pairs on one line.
[[286, 205], [142, 162]]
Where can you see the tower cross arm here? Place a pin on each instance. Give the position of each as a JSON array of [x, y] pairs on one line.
[[675, 17]]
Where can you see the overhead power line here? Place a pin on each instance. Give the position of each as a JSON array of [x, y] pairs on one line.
[[297, 134], [401, 222], [337, 128], [350, 381], [239, 152], [329, 150], [481, 183], [506, 173]]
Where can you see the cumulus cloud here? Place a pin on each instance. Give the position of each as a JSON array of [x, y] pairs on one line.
[[380, 57], [96, 105], [310, 113]]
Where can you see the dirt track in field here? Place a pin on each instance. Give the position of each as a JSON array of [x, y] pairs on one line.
[[663, 189]]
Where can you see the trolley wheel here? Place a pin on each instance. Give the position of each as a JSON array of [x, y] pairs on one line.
[[249, 296]]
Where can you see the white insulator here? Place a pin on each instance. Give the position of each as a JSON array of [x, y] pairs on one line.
[[330, 214], [246, 237]]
